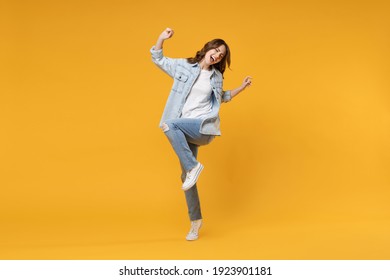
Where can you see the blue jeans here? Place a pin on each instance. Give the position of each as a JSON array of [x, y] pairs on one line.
[[185, 138]]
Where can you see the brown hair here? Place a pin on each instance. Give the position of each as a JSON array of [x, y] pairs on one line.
[[209, 46]]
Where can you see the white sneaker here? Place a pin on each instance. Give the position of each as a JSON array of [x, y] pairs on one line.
[[194, 231], [192, 177]]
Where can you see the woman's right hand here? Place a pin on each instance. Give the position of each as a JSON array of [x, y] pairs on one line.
[[166, 34]]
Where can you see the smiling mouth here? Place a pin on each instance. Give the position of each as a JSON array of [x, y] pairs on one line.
[[212, 58]]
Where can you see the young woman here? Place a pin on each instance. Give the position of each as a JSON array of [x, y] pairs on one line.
[[191, 115]]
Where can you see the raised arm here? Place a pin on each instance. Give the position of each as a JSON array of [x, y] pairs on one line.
[[168, 65], [166, 34]]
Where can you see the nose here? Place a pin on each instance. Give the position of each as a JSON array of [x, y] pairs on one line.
[[218, 56]]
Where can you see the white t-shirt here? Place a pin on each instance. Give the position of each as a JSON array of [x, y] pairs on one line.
[[198, 103]]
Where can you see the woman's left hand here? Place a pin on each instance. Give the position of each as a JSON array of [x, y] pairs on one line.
[[247, 82]]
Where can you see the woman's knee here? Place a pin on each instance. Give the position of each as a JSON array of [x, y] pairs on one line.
[[168, 125], [165, 127]]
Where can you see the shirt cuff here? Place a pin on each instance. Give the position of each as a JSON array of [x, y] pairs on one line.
[[156, 54], [227, 96]]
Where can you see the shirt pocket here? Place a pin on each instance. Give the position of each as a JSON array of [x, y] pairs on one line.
[[181, 77], [217, 86], [180, 82]]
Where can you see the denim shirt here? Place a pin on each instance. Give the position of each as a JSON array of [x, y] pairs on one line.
[[184, 75]]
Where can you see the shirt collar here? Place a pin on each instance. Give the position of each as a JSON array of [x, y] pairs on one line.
[[196, 64]]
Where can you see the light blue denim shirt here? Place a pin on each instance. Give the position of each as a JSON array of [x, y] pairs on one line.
[[184, 75]]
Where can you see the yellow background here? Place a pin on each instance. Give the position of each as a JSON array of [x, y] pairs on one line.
[[302, 168]]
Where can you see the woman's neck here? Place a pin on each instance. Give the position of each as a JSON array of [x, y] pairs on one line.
[[203, 65]]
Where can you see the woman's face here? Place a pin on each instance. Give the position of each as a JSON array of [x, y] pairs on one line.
[[215, 55]]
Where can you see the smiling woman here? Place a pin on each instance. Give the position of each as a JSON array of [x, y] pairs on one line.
[[191, 115], [215, 52]]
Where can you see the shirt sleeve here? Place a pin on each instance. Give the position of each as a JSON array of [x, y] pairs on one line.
[[226, 97], [168, 65]]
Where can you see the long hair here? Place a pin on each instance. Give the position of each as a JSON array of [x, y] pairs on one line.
[[220, 66]]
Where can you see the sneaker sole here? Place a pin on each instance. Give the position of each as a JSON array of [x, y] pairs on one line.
[[192, 239], [195, 179]]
